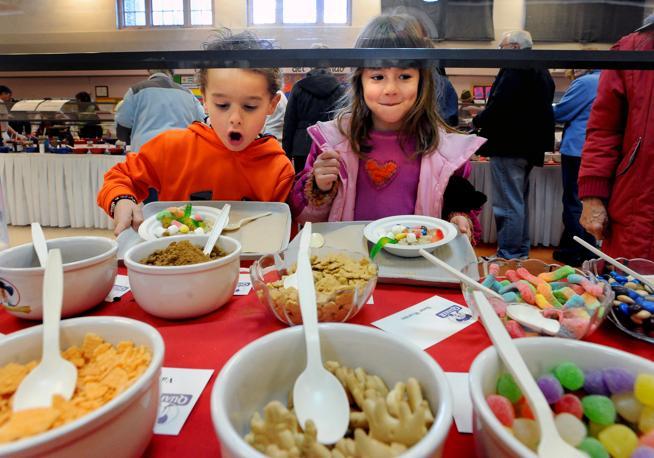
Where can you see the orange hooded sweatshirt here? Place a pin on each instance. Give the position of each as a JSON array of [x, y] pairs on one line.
[[181, 162]]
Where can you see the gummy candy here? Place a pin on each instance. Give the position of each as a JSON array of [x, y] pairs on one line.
[[594, 428], [523, 409], [643, 452], [569, 403], [646, 420], [627, 406], [593, 447], [594, 383], [508, 388], [551, 388], [526, 431], [618, 380], [619, 440], [558, 274], [599, 409], [570, 428], [644, 389], [647, 439], [501, 408], [570, 375]]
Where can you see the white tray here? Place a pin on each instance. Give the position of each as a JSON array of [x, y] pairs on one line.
[[348, 235], [265, 235]]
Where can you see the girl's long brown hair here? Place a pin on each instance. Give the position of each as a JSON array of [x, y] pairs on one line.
[[421, 123]]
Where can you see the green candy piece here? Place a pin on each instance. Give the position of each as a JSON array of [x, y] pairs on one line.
[[569, 375], [593, 447], [164, 214], [508, 388], [378, 246], [599, 409], [187, 210]]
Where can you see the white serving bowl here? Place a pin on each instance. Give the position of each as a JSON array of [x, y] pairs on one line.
[[266, 370], [183, 291], [120, 428], [541, 355], [90, 267], [379, 228]]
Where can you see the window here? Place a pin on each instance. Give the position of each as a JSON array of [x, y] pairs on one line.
[[164, 13], [294, 12]]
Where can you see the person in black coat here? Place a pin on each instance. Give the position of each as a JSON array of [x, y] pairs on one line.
[[312, 99], [518, 122]]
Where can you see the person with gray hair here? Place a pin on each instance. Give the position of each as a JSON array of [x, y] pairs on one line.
[[518, 122]]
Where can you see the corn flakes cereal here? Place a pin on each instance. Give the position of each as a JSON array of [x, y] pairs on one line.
[[103, 372]]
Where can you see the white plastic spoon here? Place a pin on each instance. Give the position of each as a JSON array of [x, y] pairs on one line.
[[316, 241], [40, 245], [615, 262], [551, 444], [244, 221], [317, 394], [53, 375], [217, 229]]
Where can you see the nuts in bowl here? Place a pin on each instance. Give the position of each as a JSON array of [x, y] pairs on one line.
[[344, 281]]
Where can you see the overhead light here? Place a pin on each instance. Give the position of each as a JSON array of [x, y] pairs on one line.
[[430, 1]]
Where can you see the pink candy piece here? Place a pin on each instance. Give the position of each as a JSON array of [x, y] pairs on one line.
[[526, 275], [647, 439], [576, 326], [593, 288], [526, 292], [501, 408], [514, 329], [512, 276], [569, 403], [176, 223], [197, 217], [553, 313], [494, 269], [577, 289], [499, 306]]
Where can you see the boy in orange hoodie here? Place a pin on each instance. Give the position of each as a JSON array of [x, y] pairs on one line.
[[229, 159]]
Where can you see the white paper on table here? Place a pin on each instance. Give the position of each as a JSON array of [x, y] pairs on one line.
[[370, 300], [244, 285], [428, 322], [459, 384], [121, 286], [180, 390]]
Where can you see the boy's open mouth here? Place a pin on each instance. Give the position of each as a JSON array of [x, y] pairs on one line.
[[235, 137]]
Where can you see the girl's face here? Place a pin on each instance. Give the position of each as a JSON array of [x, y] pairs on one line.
[[238, 102], [390, 93]]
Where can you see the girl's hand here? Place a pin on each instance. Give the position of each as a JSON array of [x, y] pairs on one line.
[[126, 214], [325, 170], [594, 217], [463, 224]]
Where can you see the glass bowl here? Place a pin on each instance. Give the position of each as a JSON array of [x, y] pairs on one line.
[[582, 327], [643, 330], [336, 299]]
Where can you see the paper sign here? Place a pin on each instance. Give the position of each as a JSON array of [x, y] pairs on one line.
[[428, 322], [244, 285], [459, 382], [371, 300], [180, 390], [121, 286]]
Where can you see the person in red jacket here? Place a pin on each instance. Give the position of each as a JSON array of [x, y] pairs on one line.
[[228, 160], [617, 161]]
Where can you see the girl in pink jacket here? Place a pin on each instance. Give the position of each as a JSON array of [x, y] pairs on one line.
[[388, 152]]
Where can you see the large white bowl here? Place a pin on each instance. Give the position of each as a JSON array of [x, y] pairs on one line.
[[541, 354], [183, 291], [90, 267], [120, 428], [377, 229], [266, 370]]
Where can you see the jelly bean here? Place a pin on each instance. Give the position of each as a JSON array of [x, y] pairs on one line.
[[514, 329], [501, 408], [569, 375], [569, 403], [558, 274], [176, 223], [644, 389], [619, 440], [173, 229], [575, 302], [526, 431], [494, 269], [570, 428], [646, 420], [551, 388], [647, 439], [594, 429], [512, 275], [599, 409], [594, 382], [618, 277], [618, 380], [593, 447], [183, 229], [627, 406], [508, 388], [643, 452], [523, 409], [542, 302]]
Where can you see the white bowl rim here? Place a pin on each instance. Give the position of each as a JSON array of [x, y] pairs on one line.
[[479, 400], [450, 235], [69, 266], [136, 266], [436, 434], [145, 230], [116, 405]]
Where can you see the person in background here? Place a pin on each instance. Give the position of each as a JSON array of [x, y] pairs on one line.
[[314, 98], [446, 98], [617, 161], [90, 127], [275, 122], [228, 160], [518, 122], [11, 129], [574, 110]]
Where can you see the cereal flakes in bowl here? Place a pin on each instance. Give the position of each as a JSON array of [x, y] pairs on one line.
[[344, 281]]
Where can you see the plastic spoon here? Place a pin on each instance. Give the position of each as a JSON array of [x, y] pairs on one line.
[[551, 444], [610, 260], [54, 374], [244, 221], [316, 241], [218, 227], [317, 394], [40, 246]]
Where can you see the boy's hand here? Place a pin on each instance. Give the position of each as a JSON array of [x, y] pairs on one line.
[[325, 170], [463, 225], [126, 214], [594, 217]]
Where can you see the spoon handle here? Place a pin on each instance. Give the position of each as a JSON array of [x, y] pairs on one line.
[[40, 245], [53, 294], [218, 227], [307, 296]]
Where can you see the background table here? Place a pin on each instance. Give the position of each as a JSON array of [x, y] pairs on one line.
[[545, 207], [208, 343], [55, 189]]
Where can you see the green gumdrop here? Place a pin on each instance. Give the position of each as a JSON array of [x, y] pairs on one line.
[[593, 447], [569, 375], [599, 409], [507, 387]]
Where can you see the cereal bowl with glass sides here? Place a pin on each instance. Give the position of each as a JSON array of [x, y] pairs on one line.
[[548, 291], [344, 282]]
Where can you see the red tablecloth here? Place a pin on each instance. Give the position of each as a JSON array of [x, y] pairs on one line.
[[208, 343]]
